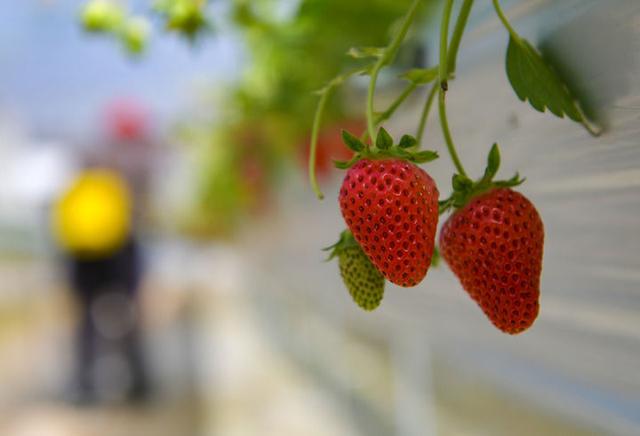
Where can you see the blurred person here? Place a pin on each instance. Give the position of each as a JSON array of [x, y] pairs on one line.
[[92, 222]]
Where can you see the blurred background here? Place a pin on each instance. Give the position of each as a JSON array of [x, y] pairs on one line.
[[161, 270]]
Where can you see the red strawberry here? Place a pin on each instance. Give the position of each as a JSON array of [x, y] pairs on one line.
[[127, 120], [391, 207], [493, 244]]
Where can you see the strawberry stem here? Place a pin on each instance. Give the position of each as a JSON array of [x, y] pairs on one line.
[[386, 58], [505, 21], [317, 120], [396, 104], [451, 55], [458, 31], [444, 123], [425, 112], [314, 143], [383, 116], [444, 37], [443, 71], [593, 129]]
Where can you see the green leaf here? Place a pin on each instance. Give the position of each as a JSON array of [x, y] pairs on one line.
[[346, 240], [534, 79], [366, 52], [352, 142], [407, 141], [424, 156], [421, 76], [493, 163], [513, 181], [343, 165], [445, 205], [401, 153], [383, 140], [461, 183], [340, 79]]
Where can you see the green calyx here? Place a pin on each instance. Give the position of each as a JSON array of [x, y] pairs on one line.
[[464, 189], [346, 241], [384, 148]]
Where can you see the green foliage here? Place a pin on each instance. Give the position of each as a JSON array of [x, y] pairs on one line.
[[186, 17], [535, 80], [493, 163], [352, 142], [384, 149], [134, 35], [464, 189], [421, 76], [407, 141], [110, 18], [383, 140], [365, 52], [102, 16], [294, 56]]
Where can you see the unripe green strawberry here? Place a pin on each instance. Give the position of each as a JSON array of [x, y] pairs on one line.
[[364, 282]]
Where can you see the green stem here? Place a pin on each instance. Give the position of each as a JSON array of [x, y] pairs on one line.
[[390, 110], [444, 38], [314, 142], [443, 75], [370, 93], [593, 129], [425, 112], [458, 31], [394, 106], [317, 120], [505, 21], [444, 123], [447, 53], [386, 58]]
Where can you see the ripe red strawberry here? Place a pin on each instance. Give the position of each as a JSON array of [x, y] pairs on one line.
[[493, 244], [391, 207]]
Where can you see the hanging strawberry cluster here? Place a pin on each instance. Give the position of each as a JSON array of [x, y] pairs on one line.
[[493, 237]]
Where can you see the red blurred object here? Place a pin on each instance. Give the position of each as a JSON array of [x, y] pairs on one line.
[[126, 120], [255, 180], [330, 146]]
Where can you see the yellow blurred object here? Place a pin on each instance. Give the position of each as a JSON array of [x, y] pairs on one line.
[[93, 217]]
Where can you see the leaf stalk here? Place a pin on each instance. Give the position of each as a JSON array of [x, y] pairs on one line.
[[386, 58], [505, 21]]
